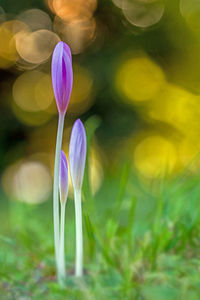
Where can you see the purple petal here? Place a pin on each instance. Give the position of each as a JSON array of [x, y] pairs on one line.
[[77, 154], [63, 180], [62, 75]]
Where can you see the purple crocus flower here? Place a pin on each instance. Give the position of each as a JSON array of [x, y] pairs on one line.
[[77, 154], [63, 180], [62, 75]]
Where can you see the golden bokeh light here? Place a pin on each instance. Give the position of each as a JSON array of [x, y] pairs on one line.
[[139, 79], [32, 91], [71, 10], [155, 156], [36, 19], [36, 47], [143, 13], [27, 181], [177, 107], [81, 98], [77, 33]]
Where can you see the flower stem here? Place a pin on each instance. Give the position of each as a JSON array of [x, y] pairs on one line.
[[56, 187], [62, 272], [79, 234]]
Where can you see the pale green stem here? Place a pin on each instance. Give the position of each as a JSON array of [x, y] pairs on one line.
[[79, 234], [56, 187], [62, 271]]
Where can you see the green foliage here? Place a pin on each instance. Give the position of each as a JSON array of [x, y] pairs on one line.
[[141, 245]]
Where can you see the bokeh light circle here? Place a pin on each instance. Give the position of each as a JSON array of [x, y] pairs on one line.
[[36, 19], [74, 10], [155, 157], [143, 13], [139, 79], [32, 91], [36, 47], [27, 181], [177, 107]]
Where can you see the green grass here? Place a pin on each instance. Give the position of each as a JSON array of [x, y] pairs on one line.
[[140, 242]]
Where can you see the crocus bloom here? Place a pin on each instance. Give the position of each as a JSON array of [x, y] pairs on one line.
[[62, 75], [77, 154], [63, 182]]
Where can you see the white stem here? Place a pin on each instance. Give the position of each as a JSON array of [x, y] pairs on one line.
[[56, 187], [79, 234], [62, 271]]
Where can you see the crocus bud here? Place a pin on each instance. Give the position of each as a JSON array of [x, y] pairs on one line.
[[62, 75], [63, 180], [77, 154]]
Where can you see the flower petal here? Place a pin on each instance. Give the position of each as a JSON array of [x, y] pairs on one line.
[[77, 154]]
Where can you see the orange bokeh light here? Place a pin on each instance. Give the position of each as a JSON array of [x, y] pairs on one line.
[[77, 9]]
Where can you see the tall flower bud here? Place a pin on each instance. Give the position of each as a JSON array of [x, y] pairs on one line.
[[62, 75], [77, 154], [63, 179], [62, 80]]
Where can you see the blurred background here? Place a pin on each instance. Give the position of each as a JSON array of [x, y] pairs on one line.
[[136, 78]]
